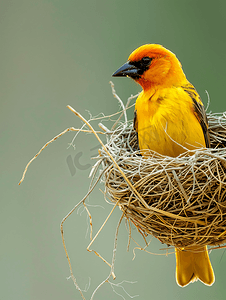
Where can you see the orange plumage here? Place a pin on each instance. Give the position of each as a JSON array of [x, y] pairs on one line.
[[169, 119]]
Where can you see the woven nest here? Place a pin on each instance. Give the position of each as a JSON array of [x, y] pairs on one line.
[[181, 201]]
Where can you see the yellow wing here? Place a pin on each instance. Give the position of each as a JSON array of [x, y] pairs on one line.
[[199, 111]]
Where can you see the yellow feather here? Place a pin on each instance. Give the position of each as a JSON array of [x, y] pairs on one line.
[[166, 124], [193, 263]]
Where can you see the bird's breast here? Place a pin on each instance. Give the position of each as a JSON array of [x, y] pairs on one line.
[[166, 123]]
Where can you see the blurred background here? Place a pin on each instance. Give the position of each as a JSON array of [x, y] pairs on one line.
[[55, 53]]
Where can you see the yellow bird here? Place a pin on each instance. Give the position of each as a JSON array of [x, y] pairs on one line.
[[170, 119]]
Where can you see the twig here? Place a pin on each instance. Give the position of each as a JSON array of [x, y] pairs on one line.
[[102, 226], [62, 232], [49, 142], [112, 262], [122, 105]]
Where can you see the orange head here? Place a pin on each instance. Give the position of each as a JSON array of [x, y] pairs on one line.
[[152, 65]]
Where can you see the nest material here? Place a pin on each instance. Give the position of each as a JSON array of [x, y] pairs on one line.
[[189, 191]]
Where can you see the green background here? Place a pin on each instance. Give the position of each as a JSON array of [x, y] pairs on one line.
[[55, 53]]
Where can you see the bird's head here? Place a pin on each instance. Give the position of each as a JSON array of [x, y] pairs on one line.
[[152, 65]]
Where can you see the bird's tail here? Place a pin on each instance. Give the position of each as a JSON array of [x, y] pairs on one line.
[[193, 263]]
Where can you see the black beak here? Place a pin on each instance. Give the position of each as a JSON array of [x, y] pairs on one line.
[[128, 69]]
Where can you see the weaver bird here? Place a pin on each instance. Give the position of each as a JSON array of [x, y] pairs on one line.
[[169, 119]]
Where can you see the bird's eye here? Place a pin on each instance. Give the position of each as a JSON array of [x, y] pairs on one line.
[[142, 65], [146, 60]]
